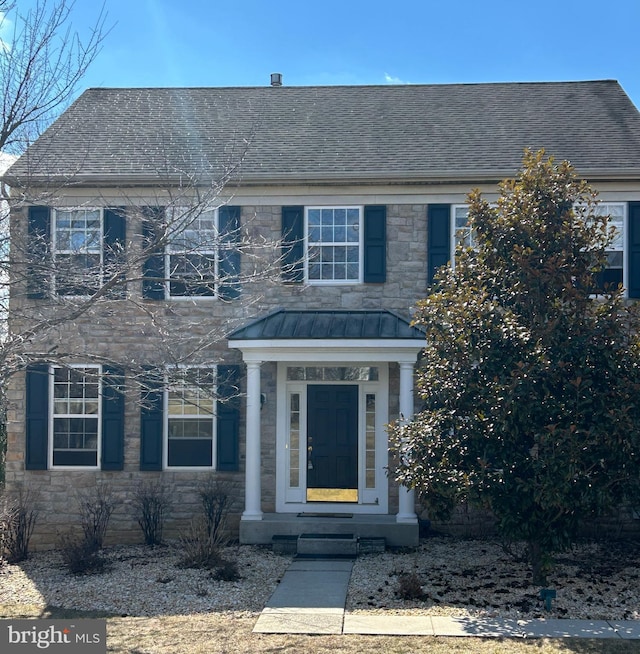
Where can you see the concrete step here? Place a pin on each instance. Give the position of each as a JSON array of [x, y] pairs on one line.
[[327, 545]]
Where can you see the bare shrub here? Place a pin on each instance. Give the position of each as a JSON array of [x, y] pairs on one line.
[[199, 550], [152, 502], [19, 516], [215, 498], [226, 570], [206, 534], [409, 586], [96, 507], [80, 556]]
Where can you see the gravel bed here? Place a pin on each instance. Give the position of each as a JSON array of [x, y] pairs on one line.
[[143, 581], [446, 576], [595, 581]]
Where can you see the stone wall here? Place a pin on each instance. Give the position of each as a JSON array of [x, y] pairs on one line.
[[140, 332]]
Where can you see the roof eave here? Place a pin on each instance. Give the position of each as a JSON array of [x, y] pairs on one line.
[[331, 178]]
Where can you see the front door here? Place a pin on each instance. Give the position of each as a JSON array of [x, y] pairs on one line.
[[332, 443]]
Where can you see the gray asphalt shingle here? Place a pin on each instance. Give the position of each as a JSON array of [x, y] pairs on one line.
[[421, 132]]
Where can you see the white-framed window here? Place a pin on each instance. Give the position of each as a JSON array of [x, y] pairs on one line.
[[192, 255], [462, 233], [334, 245], [75, 416], [77, 250], [613, 275], [190, 425]]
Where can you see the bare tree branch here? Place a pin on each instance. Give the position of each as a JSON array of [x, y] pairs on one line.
[[41, 64]]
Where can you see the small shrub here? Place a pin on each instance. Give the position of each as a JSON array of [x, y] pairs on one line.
[[216, 502], [80, 556], [226, 570], [96, 508], [17, 524], [152, 501], [409, 586], [206, 533], [199, 550]]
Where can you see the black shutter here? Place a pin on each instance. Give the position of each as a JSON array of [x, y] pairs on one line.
[[151, 425], [634, 249], [113, 245], [438, 238], [37, 414], [112, 418], [293, 244], [153, 282], [375, 244], [39, 250], [229, 267], [228, 418]]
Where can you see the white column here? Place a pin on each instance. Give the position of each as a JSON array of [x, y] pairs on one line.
[[406, 499], [253, 500]]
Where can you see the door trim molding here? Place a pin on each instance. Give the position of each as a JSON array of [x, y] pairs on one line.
[[370, 501]]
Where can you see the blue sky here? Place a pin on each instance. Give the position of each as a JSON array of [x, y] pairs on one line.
[[240, 42]]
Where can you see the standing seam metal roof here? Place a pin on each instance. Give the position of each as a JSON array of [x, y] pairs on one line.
[[315, 325]]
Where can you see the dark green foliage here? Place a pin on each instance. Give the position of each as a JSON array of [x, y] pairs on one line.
[[529, 382]]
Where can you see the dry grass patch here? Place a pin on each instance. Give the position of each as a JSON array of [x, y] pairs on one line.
[[232, 634]]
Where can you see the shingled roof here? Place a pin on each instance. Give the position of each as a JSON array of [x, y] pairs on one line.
[[341, 133]]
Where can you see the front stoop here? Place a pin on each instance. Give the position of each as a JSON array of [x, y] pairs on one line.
[[363, 527], [327, 545]]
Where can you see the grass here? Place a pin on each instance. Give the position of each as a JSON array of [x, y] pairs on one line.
[[224, 634]]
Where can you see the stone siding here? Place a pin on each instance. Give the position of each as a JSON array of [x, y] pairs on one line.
[[124, 330]]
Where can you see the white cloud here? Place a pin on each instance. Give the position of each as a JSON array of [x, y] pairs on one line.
[[390, 79], [6, 32]]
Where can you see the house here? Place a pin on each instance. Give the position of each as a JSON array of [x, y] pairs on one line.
[[356, 194]]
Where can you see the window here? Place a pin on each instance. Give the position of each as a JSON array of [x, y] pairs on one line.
[[334, 244], [191, 259], [613, 275], [77, 251], [190, 419], [76, 416], [462, 233]]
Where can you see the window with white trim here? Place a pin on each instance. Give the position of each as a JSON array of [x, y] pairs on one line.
[[462, 233], [75, 416], [334, 244], [192, 255], [613, 275], [190, 419], [77, 250]]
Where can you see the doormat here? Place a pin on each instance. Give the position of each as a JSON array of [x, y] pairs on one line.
[[325, 515]]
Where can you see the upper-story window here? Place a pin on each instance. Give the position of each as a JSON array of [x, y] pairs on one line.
[[192, 256], [77, 250], [610, 278], [613, 275], [462, 233], [334, 244]]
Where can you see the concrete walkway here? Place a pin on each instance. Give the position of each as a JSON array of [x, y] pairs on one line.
[[311, 598]]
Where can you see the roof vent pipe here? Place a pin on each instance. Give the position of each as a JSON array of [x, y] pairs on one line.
[[276, 79]]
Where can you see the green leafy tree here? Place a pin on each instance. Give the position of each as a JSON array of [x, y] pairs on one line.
[[531, 375]]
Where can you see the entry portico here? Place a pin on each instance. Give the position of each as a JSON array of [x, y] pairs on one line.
[[333, 397]]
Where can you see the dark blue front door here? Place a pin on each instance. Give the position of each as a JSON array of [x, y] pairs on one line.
[[332, 438]]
